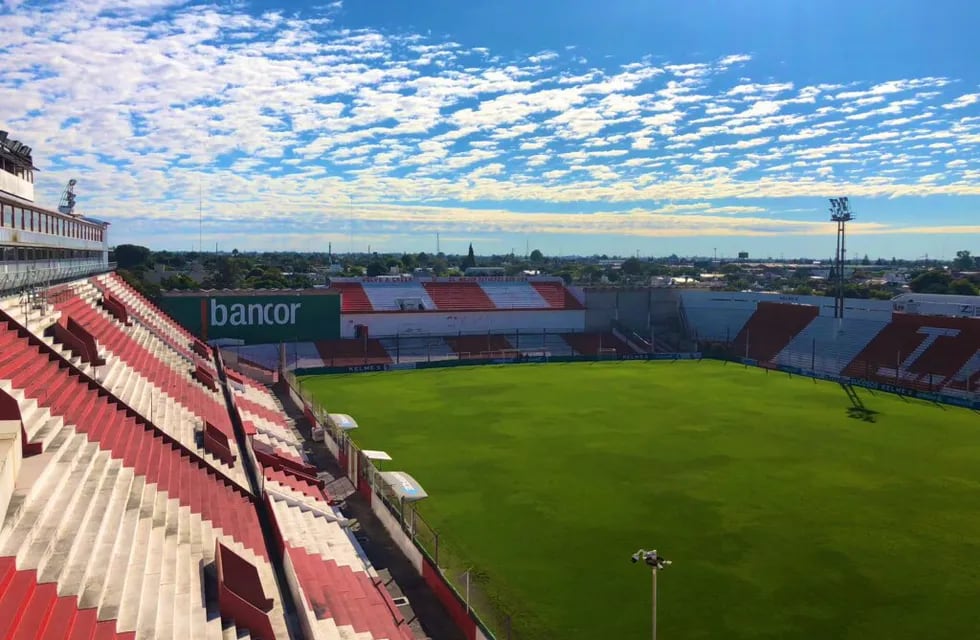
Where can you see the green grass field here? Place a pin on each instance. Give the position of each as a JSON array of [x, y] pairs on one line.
[[786, 513]]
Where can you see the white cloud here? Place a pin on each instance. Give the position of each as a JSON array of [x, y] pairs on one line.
[[963, 101], [279, 115]]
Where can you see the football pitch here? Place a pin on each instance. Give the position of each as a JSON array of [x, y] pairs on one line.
[[788, 512]]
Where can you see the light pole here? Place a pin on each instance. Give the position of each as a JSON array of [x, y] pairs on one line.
[[656, 562]]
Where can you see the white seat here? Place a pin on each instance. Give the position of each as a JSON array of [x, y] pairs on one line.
[[514, 295]]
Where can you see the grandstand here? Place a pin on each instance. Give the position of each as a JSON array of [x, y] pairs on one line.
[[379, 295], [887, 342], [424, 348], [148, 492]]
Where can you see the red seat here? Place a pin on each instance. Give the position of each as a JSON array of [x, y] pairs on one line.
[[462, 295]]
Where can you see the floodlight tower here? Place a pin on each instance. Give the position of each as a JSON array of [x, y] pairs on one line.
[[67, 204], [656, 562], [840, 212]]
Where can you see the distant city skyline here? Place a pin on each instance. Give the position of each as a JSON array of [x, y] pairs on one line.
[[572, 127]]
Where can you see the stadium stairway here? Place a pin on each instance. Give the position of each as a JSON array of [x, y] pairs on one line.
[[175, 336], [169, 329], [120, 526], [458, 296], [152, 402], [116, 513], [316, 541], [771, 328], [135, 349]]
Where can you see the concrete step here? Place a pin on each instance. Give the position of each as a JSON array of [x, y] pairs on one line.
[[130, 498], [75, 452], [55, 536], [156, 613], [51, 568], [39, 424], [132, 593]]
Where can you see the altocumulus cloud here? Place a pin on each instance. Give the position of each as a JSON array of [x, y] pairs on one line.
[[298, 120]]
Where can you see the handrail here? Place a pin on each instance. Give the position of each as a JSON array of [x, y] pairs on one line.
[[299, 504]]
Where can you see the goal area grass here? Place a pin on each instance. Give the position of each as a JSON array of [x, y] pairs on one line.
[[787, 510]]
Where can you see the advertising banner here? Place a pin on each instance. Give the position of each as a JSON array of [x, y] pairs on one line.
[[258, 318]]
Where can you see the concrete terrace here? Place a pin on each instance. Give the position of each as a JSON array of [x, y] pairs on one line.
[[145, 492]]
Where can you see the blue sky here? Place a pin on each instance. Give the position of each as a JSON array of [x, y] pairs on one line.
[[569, 126]]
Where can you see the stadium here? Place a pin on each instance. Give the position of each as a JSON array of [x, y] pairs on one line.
[[229, 464]]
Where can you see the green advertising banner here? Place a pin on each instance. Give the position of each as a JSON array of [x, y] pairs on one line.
[[258, 319]]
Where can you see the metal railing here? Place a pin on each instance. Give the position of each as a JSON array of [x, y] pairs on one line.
[[17, 275]]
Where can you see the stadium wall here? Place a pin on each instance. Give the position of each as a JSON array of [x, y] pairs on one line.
[[600, 308], [637, 308], [853, 307], [406, 323], [394, 529]]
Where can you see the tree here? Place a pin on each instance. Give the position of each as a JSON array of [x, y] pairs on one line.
[[962, 287], [469, 260], [964, 261], [592, 273], [228, 273], [376, 268], [536, 256], [632, 266], [934, 281], [131, 256], [731, 268], [179, 282]]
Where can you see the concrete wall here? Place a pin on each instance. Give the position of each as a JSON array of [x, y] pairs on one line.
[[448, 323], [37, 239], [10, 459], [637, 308], [17, 186], [868, 309], [397, 534], [600, 308]]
